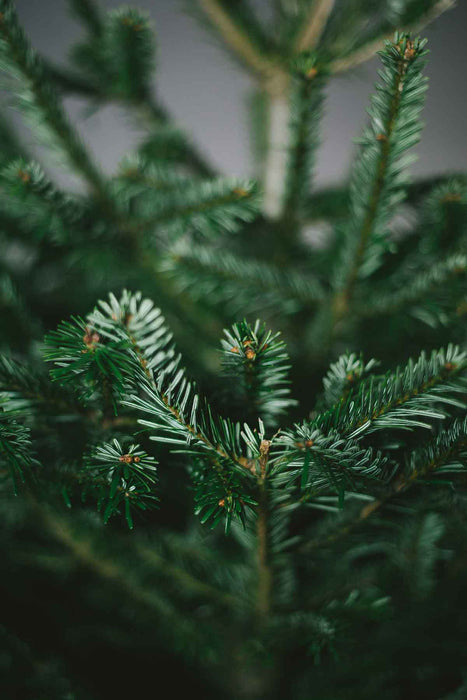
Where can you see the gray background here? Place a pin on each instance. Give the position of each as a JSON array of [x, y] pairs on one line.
[[207, 92]]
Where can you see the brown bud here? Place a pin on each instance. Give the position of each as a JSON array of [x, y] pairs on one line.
[[129, 22], [452, 197], [409, 52], [381, 137], [127, 459], [309, 443], [311, 73], [136, 459], [131, 172], [250, 354], [221, 503], [240, 192], [235, 349], [91, 338], [24, 176]]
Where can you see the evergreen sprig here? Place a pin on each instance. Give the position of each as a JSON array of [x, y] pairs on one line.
[[343, 376], [225, 278], [379, 176], [121, 476], [29, 389], [419, 552], [130, 335], [209, 208], [30, 196], [443, 218], [38, 99], [428, 294], [16, 451], [256, 363], [96, 367], [329, 462], [89, 14], [444, 454], [407, 398], [305, 118], [118, 56]]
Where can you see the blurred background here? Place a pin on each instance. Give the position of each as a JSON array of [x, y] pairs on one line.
[[208, 93]]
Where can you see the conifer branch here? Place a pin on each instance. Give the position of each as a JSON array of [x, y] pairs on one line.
[[33, 199], [38, 97], [178, 415], [324, 462], [239, 41], [11, 143], [361, 453], [207, 207], [404, 397], [325, 453], [314, 25], [89, 13], [256, 361], [121, 476], [185, 579], [12, 301], [15, 447], [378, 180], [364, 53], [109, 569], [444, 454], [265, 581], [277, 144], [443, 216], [25, 390], [158, 122], [305, 116], [420, 288], [344, 376], [238, 281]]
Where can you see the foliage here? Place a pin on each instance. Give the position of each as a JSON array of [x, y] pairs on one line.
[[297, 513]]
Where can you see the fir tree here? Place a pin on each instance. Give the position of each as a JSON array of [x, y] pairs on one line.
[[284, 517]]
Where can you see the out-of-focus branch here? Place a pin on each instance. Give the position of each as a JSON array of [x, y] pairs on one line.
[[364, 53], [238, 41], [315, 25], [149, 111]]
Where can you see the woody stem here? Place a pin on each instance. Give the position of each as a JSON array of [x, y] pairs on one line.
[[263, 600]]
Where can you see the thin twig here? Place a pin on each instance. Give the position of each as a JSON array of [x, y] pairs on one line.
[[106, 568], [239, 42], [264, 571], [399, 487], [314, 26], [183, 577], [342, 299]]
